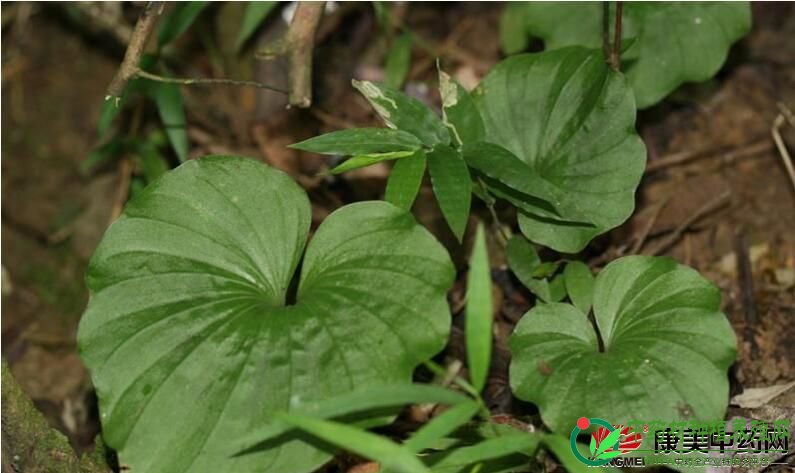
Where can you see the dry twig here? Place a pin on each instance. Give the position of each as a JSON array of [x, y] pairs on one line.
[[644, 233], [705, 210], [687, 156], [129, 68], [785, 114], [135, 49], [746, 282], [298, 45]]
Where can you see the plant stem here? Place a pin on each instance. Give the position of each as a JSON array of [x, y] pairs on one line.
[[606, 29], [615, 56], [205, 81]]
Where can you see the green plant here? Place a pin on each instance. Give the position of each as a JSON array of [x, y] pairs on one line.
[[216, 333], [166, 97], [667, 43], [218, 342]]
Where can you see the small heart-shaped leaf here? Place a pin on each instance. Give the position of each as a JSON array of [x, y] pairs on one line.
[[665, 343]]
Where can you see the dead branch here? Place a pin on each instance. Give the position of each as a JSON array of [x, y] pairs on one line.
[[205, 81], [782, 148], [689, 156], [299, 44], [702, 212], [135, 49], [129, 68], [641, 239]]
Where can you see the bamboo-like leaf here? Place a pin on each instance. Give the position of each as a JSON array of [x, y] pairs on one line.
[[405, 180], [359, 401], [459, 112], [403, 112], [561, 448], [442, 425], [479, 315], [452, 186], [398, 62], [489, 449], [153, 163], [390, 455], [360, 141], [357, 162], [177, 21], [103, 153], [172, 113], [255, 14]]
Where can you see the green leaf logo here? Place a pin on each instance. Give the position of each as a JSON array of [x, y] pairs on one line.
[[607, 443]]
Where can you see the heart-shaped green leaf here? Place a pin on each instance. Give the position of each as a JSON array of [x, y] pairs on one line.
[[570, 120], [675, 42], [193, 336], [666, 344]]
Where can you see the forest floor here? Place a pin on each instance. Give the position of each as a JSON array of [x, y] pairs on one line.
[[715, 195]]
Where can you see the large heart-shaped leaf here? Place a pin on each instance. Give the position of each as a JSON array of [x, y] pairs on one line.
[[675, 42], [667, 347], [193, 334], [570, 120]]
